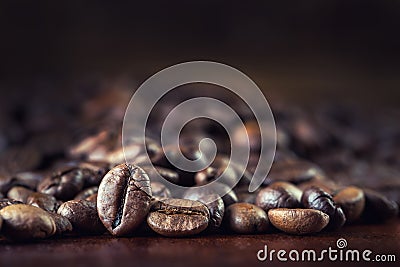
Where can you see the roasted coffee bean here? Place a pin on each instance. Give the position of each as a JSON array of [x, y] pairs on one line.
[[229, 196], [18, 159], [291, 188], [29, 180], [19, 193], [123, 200], [243, 194], [329, 186], [83, 216], [94, 147], [155, 171], [63, 184], [178, 217], [378, 208], [352, 201], [298, 221], [92, 198], [245, 218], [276, 197], [221, 170], [63, 225], [22, 222], [216, 207], [43, 201], [93, 172], [87, 193], [136, 153], [251, 131], [316, 198], [159, 191], [293, 171], [7, 202]]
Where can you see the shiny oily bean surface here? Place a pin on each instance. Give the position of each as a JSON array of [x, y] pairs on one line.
[[316, 198], [298, 221], [216, 207], [245, 218], [352, 201], [178, 217], [123, 199], [24, 222], [277, 197], [19, 193], [83, 216], [43, 201]]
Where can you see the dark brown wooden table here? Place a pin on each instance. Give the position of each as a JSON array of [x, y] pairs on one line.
[[213, 250]]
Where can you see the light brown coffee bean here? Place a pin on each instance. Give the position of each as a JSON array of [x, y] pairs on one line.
[[178, 217], [352, 201], [24, 222], [19, 193], [298, 221]]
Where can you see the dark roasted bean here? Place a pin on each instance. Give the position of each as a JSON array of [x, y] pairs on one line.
[[63, 225], [87, 193], [123, 199], [316, 198], [63, 184], [43, 201], [83, 216], [245, 218], [159, 191], [378, 208], [276, 197], [228, 196]]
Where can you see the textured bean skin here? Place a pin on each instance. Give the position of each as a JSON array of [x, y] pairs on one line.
[[178, 217], [123, 199], [298, 221]]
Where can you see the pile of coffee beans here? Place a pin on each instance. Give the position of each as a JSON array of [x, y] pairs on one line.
[[334, 166]]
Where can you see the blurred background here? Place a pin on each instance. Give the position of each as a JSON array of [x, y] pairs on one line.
[[306, 51]]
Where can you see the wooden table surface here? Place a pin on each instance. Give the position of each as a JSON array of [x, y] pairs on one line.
[[212, 250]]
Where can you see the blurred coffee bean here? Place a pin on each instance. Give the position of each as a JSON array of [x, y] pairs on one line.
[[216, 207], [243, 194], [19, 193], [4, 202], [123, 199], [87, 193], [276, 197], [245, 218], [159, 191], [352, 201], [94, 147], [329, 186], [250, 132], [291, 188], [155, 171], [19, 159], [26, 179], [63, 184], [294, 171], [92, 198], [378, 208], [63, 225], [43, 201], [93, 172], [178, 217], [316, 198], [83, 216], [298, 221], [24, 222], [228, 195]]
